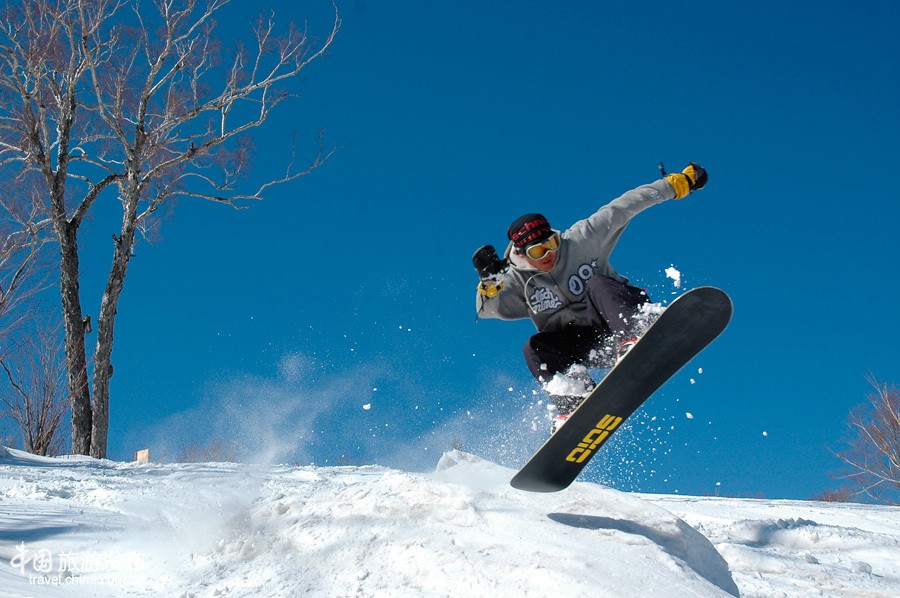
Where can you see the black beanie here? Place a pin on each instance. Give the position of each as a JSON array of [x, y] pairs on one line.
[[529, 229]]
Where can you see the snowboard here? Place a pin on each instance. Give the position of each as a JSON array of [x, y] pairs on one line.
[[686, 326]]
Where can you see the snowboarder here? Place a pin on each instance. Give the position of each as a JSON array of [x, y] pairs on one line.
[[564, 282]]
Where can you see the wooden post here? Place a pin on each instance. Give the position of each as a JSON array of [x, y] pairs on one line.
[[142, 456]]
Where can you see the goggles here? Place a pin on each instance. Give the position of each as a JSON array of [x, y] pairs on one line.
[[537, 251]]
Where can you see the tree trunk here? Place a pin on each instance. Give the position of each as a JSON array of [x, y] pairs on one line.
[[76, 361], [103, 369]]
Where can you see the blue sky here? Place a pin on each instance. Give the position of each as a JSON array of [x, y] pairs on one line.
[[353, 287]]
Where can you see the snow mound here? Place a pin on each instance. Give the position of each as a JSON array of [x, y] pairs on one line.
[[593, 524], [83, 527], [460, 527]]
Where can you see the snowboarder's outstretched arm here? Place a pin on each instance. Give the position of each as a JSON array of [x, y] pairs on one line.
[[606, 225]]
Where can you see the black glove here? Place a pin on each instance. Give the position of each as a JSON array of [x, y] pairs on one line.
[[488, 264], [690, 179], [697, 174]]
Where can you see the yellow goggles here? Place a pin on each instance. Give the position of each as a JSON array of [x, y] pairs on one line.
[[539, 250]]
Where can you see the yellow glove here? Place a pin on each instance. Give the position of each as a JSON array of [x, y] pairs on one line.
[[690, 179], [489, 288]]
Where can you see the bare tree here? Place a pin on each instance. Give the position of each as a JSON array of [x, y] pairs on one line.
[[22, 265], [35, 396], [136, 99], [23, 272], [873, 453]]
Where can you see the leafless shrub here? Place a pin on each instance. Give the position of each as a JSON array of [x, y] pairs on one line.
[[873, 451], [34, 395], [838, 495], [216, 450]]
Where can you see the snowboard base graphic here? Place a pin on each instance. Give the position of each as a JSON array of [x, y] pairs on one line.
[[688, 325]]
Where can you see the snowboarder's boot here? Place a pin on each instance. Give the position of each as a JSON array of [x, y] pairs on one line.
[[564, 406], [624, 347]]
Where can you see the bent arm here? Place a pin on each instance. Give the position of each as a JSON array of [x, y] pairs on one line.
[[507, 304]]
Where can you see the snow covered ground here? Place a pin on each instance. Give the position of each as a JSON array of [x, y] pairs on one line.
[[80, 527]]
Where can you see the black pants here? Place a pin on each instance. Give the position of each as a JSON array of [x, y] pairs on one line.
[[610, 304]]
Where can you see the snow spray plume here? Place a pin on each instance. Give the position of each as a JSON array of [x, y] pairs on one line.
[[263, 420], [503, 422]]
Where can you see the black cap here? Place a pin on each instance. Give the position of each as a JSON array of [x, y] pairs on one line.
[[529, 229]]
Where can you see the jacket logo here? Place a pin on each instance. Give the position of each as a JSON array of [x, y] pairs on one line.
[[543, 299], [577, 281]]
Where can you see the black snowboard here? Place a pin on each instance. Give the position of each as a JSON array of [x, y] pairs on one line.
[[689, 324]]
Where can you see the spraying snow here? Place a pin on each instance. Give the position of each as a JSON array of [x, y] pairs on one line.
[[675, 275]]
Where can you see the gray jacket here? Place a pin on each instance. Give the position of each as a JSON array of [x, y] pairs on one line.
[[556, 299]]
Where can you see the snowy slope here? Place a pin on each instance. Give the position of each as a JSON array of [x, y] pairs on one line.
[[799, 548], [242, 530]]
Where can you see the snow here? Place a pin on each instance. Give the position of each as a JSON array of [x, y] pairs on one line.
[[796, 548], [576, 382], [224, 529], [675, 275]]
